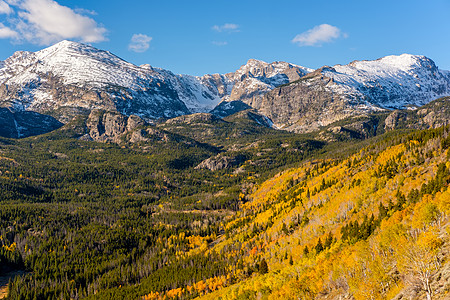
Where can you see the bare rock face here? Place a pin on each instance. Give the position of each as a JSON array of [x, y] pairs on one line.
[[394, 119], [432, 120], [149, 134], [437, 117], [432, 115], [257, 78], [303, 106], [194, 118], [220, 162], [111, 127]]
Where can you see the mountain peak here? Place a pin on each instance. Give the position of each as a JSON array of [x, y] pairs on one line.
[[409, 61], [253, 61], [68, 43], [403, 62], [72, 48]]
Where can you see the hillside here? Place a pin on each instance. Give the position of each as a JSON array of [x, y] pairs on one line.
[[371, 226], [335, 225], [374, 225]]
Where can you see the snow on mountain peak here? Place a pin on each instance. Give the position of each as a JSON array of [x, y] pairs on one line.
[[392, 82], [259, 68], [394, 63], [38, 79], [82, 64], [404, 61]]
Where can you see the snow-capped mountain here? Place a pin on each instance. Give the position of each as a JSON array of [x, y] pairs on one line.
[[199, 94], [70, 77], [391, 81], [330, 94], [256, 78]]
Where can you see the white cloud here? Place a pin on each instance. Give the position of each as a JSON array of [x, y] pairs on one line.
[[6, 32], [83, 11], [5, 8], [139, 43], [218, 43], [45, 22], [228, 27], [320, 34]]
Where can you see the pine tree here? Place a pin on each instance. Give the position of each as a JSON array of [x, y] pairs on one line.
[[319, 247], [328, 241], [305, 251], [263, 267]]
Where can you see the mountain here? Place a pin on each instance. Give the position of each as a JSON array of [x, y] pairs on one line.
[[256, 78], [330, 94], [70, 78]]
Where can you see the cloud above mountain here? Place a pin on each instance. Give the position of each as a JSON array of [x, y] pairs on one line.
[[6, 32], [139, 43], [318, 35], [44, 22]]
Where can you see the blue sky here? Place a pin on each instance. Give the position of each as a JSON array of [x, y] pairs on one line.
[[199, 37]]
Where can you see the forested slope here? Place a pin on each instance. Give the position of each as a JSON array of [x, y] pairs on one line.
[[372, 226], [106, 221]]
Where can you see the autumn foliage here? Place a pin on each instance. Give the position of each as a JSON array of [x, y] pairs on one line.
[[371, 226]]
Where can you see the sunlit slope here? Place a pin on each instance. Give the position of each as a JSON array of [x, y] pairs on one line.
[[373, 226]]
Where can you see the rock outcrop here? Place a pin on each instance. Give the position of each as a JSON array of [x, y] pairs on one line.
[[394, 119], [303, 106], [202, 118], [220, 162], [103, 126]]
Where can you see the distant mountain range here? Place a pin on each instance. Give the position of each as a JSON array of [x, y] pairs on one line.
[[68, 79]]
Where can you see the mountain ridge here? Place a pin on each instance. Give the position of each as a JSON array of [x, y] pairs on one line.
[[70, 78], [160, 92], [330, 94]]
